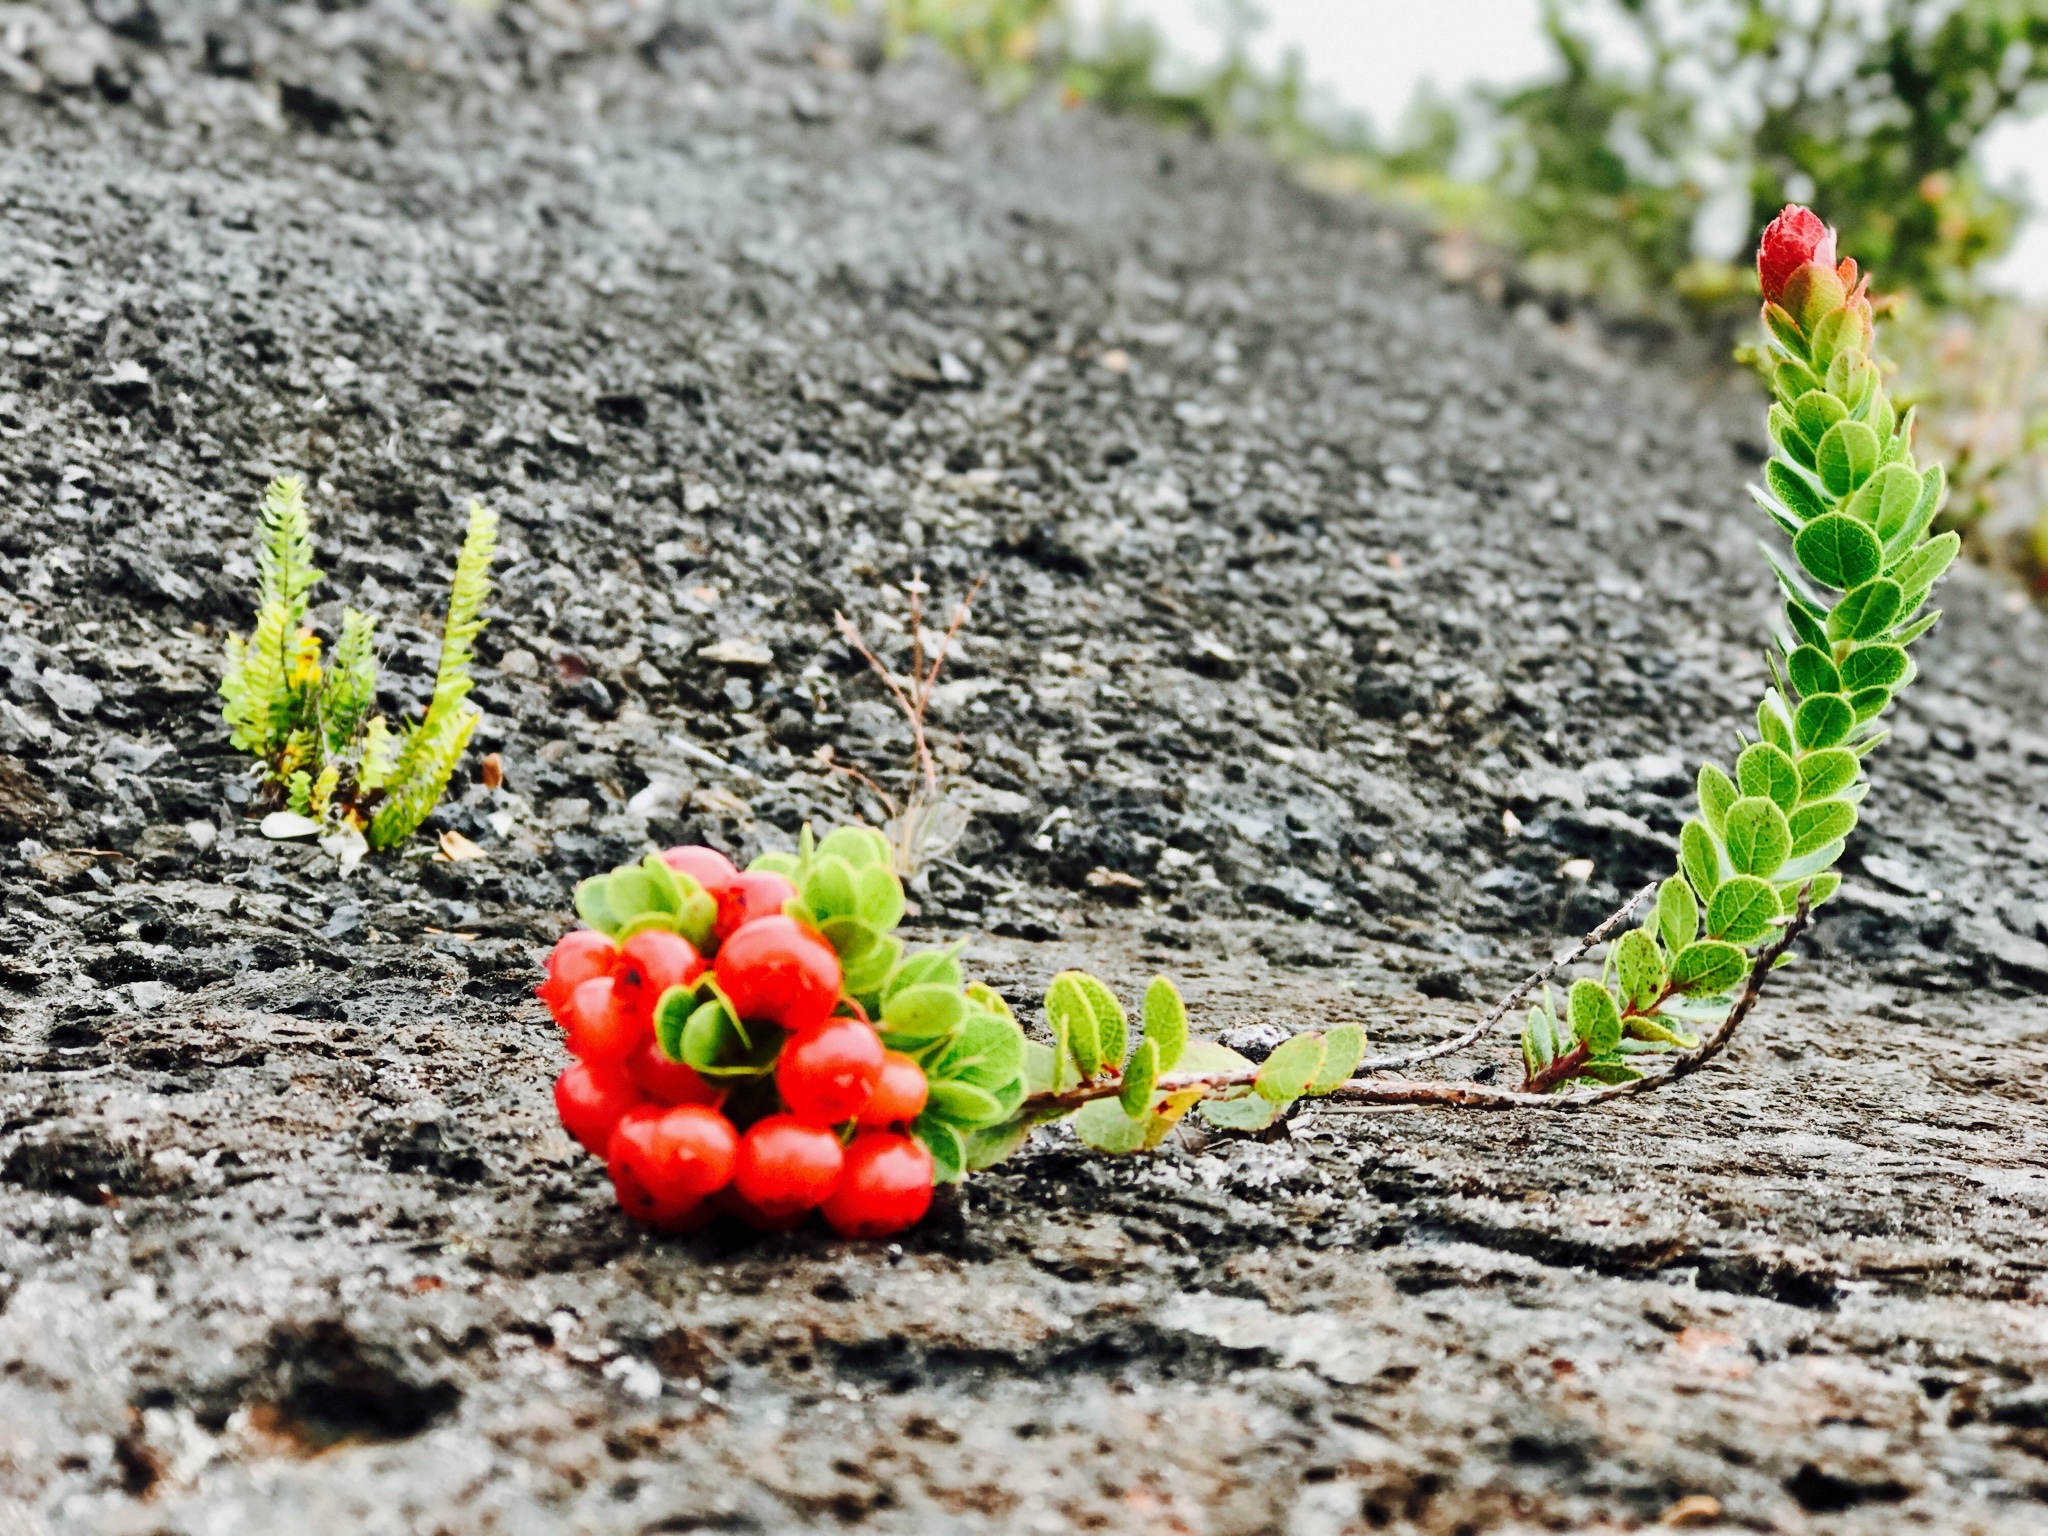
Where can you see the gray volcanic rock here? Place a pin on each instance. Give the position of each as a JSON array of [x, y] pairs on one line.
[[1304, 568]]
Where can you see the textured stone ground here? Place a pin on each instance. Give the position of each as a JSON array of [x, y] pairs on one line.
[[1304, 566]]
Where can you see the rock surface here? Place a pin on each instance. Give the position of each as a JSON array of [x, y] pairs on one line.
[[1335, 616]]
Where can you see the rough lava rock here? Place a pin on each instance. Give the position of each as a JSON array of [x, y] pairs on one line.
[[1339, 620]]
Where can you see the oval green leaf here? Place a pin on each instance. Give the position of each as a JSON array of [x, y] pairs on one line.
[[1823, 721], [1742, 910], [1758, 837], [1596, 1021], [1838, 551], [1707, 968], [1285, 1075]]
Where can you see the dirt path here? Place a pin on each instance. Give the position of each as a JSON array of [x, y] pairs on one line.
[[1304, 568]]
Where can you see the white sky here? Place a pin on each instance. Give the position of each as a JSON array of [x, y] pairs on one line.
[[1371, 55]]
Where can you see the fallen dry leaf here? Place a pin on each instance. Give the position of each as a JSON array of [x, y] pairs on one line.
[[457, 849]]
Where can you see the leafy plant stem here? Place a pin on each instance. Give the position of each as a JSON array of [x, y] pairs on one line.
[[1530, 983]]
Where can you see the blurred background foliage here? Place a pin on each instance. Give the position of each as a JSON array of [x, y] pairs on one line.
[[1638, 171]]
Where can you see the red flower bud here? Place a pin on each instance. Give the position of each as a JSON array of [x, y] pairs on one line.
[[1795, 238]]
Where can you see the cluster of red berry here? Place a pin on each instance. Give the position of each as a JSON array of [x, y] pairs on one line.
[[829, 1137]]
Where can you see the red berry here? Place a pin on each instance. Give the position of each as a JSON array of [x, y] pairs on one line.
[[828, 1073], [576, 958], [650, 963], [885, 1187], [775, 968], [756, 894], [1794, 239], [785, 1165], [600, 1030], [590, 1099], [669, 1082], [707, 866], [899, 1093], [676, 1156]]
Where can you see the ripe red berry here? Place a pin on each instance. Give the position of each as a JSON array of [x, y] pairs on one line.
[[827, 1073], [650, 963], [775, 968], [576, 958], [885, 1186], [670, 1159], [756, 894], [785, 1165], [590, 1099], [669, 1082], [899, 1093], [600, 1030], [1794, 239], [707, 866]]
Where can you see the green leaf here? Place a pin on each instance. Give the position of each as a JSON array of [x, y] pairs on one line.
[[777, 862], [1874, 666], [982, 995], [1140, 1073], [1793, 487], [1699, 855], [1596, 1021], [1638, 968], [986, 1147], [1785, 330], [1907, 634], [1103, 1125], [1823, 721], [1071, 1018], [988, 1051], [1041, 1067], [1285, 1075], [1166, 1021], [718, 1046], [1815, 412], [1717, 793], [1817, 825], [1769, 771], [864, 978], [1758, 837], [1659, 1032], [1243, 1112], [1539, 1046], [1792, 379], [878, 894], [671, 1013], [1742, 910], [1838, 550], [1678, 913], [1707, 968], [1211, 1058], [631, 890], [1823, 885], [943, 1141], [920, 1015], [829, 892], [926, 968], [1867, 611], [1343, 1049], [1813, 671], [1822, 774], [1772, 723], [1112, 1030], [1785, 435], [964, 1104], [1608, 1071], [1846, 456], [861, 847], [1906, 532], [593, 907], [1887, 501], [1923, 567], [1869, 703]]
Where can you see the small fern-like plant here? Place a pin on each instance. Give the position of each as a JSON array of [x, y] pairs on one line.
[[326, 752]]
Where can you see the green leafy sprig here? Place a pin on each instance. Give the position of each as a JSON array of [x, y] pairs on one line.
[[1843, 486], [326, 753]]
